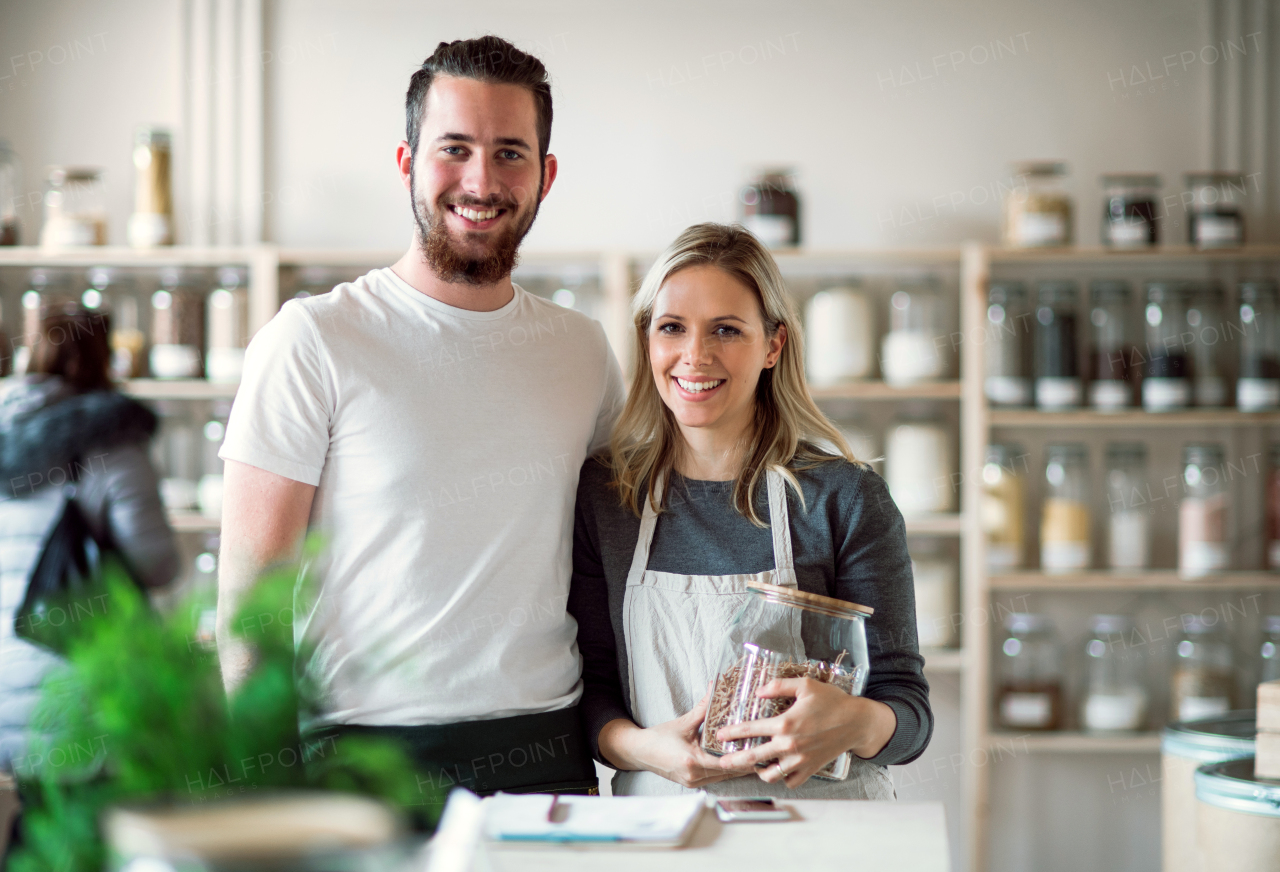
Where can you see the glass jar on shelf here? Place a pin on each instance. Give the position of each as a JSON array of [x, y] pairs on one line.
[[151, 223], [1065, 544], [47, 289], [1258, 386], [1115, 694], [1203, 671], [10, 190], [1215, 219], [177, 327], [1037, 213], [912, 350], [918, 463], [75, 212], [209, 486], [1110, 386], [1029, 675], [781, 632], [1206, 323], [937, 595], [176, 453], [1273, 506], [1008, 345], [6, 345], [1269, 650], [228, 320], [1057, 362], [1166, 382], [1203, 546], [128, 342], [839, 327], [1004, 505], [1129, 210], [771, 209], [1128, 501]]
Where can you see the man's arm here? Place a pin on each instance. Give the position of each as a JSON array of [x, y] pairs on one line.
[[264, 519]]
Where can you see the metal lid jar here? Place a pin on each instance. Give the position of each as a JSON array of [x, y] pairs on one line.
[[1008, 345], [782, 632], [1215, 219], [1037, 214], [1129, 210], [771, 209]]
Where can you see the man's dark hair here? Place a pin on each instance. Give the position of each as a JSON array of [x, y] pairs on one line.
[[489, 59]]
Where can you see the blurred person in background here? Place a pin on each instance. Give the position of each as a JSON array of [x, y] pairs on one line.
[[64, 423]]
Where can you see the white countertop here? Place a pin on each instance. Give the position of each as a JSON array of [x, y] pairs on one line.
[[829, 834]]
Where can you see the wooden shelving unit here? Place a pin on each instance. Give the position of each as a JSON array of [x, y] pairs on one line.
[[192, 522], [1116, 580], [878, 390], [1074, 743], [1132, 419], [178, 389]]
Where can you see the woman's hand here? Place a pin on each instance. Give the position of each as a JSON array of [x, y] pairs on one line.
[[670, 750], [822, 724]]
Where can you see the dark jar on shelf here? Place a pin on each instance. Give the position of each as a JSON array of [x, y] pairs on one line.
[[1166, 382], [1057, 367], [1008, 345], [1029, 688], [1215, 219], [771, 209], [1206, 324], [1110, 386], [1258, 386], [1129, 210]]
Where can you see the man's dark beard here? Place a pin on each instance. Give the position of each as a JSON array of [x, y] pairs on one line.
[[452, 265]]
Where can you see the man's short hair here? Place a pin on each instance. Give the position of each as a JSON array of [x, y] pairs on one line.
[[489, 59]]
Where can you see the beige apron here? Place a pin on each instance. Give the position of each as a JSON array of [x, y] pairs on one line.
[[673, 627]]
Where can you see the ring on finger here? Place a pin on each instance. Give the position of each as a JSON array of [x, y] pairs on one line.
[[781, 773]]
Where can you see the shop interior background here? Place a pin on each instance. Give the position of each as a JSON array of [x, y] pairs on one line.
[[900, 119]]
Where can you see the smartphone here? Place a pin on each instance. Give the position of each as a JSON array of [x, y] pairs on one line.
[[751, 808]]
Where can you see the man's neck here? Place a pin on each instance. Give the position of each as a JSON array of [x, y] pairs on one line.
[[413, 268]]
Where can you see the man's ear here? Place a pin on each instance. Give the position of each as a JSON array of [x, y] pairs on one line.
[[404, 163], [550, 166]]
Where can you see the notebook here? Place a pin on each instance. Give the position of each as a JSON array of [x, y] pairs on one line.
[[635, 821]]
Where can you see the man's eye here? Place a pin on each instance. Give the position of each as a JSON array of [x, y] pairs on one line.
[[510, 155], [452, 149]]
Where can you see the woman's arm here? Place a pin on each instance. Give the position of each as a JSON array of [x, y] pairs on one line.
[[134, 514]]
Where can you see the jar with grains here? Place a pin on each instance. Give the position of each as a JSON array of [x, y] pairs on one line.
[[1129, 210], [1008, 345], [177, 327], [1115, 693], [1203, 546], [1206, 323], [771, 209], [1215, 219], [1004, 505], [1110, 352], [151, 223], [839, 325], [918, 463], [1258, 386], [1057, 363], [1037, 213], [1203, 671], [913, 349], [782, 632], [228, 320], [1029, 675], [75, 212], [1166, 382], [1129, 500], [1065, 544]]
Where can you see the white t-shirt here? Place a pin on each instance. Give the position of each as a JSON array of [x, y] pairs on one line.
[[445, 445]]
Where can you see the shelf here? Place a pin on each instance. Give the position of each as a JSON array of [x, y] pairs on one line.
[[1097, 254], [119, 255], [193, 522], [942, 659], [1136, 418], [178, 389], [1073, 743], [878, 390], [935, 525], [1119, 580]]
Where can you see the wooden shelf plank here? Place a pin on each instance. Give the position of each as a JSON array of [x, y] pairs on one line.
[[193, 522], [878, 390], [1098, 254], [178, 389], [1136, 418], [1121, 580], [1074, 743], [119, 255], [942, 659], [935, 525]]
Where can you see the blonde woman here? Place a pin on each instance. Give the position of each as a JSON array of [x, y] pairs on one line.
[[721, 471]]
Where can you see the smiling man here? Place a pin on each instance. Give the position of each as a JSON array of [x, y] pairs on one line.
[[429, 420]]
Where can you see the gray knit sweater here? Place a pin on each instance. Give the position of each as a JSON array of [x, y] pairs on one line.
[[849, 543]]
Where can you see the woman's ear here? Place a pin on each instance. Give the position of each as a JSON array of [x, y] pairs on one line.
[[776, 342]]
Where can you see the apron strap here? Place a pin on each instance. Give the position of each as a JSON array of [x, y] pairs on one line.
[[648, 523], [780, 524]]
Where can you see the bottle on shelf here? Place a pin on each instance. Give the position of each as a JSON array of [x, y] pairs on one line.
[[918, 463], [1110, 385], [1203, 546], [910, 351], [937, 595], [10, 189], [128, 342], [1115, 695], [771, 209], [1129, 210], [1029, 675], [1166, 382], [1065, 544], [1128, 504], [838, 335], [1037, 213], [151, 223], [1258, 387], [1004, 505], [1269, 650], [1203, 671], [1215, 219], [177, 327], [1206, 322], [1057, 364], [1008, 345], [228, 320]]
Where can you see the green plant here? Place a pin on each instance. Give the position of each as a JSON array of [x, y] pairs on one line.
[[138, 714]]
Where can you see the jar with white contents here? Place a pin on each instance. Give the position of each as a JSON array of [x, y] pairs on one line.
[[913, 349], [1129, 501], [1203, 547], [1115, 695]]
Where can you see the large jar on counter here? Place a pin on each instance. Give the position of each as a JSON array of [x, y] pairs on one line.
[[1206, 322], [1129, 210], [1065, 519], [1110, 386], [918, 464], [1166, 382], [771, 209], [1215, 219], [1008, 345], [1203, 671], [1258, 387], [75, 212], [1037, 213], [1115, 693], [1029, 675], [937, 595], [177, 328], [10, 185], [839, 324], [1057, 363], [1129, 507], [913, 349], [228, 320], [1004, 505], [1203, 547]]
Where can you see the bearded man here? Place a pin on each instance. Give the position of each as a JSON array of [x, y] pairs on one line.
[[429, 420]]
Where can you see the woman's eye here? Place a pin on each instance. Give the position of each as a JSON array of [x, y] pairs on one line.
[[670, 327], [725, 330]]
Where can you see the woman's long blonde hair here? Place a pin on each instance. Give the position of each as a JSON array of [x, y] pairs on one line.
[[789, 425]]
